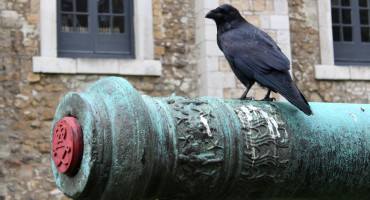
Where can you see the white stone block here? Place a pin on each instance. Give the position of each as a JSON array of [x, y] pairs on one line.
[[283, 37], [281, 7], [140, 67], [202, 49], [228, 80], [202, 65], [212, 48], [199, 6], [221, 80], [208, 64], [119, 66], [265, 22], [199, 21], [143, 22], [215, 92], [200, 35], [326, 36], [211, 32], [279, 22], [211, 92], [48, 28], [210, 4], [332, 72], [100, 66], [359, 73], [286, 49], [53, 65], [9, 14], [212, 63]]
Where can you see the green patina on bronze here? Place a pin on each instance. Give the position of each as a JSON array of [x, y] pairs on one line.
[[138, 147]]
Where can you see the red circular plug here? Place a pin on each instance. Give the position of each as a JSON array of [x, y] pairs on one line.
[[67, 145]]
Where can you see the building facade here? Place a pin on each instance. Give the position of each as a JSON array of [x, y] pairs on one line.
[[171, 49]]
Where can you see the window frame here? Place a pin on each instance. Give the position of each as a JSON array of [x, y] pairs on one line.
[[77, 45], [350, 52], [143, 65], [327, 70]]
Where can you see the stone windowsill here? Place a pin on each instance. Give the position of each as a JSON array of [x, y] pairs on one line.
[[96, 66], [332, 72]]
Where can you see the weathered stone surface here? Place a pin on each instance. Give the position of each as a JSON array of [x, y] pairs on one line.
[[12, 163], [30, 114], [54, 87], [242, 5], [47, 114], [20, 103], [35, 134], [33, 78], [44, 147], [32, 18], [259, 5]]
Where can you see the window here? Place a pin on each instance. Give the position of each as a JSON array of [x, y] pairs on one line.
[[143, 64], [351, 31], [95, 28]]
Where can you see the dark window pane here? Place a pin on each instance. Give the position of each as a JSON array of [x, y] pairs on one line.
[[81, 5], [346, 3], [364, 16], [67, 22], [363, 3], [335, 15], [336, 33], [104, 24], [118, 24], [67, 5], [365, 34], [82, 23], [346, 16], [334, 2], [347, 34], [103, 6], [117, 6]]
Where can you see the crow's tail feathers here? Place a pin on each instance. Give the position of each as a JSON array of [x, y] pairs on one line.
[[283, 84], [297, 99], [304, 107]]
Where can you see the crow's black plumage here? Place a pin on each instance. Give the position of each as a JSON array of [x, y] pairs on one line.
[[254, 56]]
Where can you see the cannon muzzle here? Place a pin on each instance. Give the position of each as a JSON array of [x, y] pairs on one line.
[[109, 142]]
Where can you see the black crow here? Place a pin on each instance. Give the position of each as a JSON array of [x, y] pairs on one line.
[[254, 56]]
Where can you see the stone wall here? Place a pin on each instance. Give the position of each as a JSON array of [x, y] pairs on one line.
[[28, 101], [305, 43]]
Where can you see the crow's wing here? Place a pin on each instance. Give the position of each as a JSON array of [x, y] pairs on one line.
[[253, 50]]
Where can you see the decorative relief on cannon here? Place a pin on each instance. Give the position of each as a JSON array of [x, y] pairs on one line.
[[266, 144]]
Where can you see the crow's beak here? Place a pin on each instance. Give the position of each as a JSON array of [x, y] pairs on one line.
[[210, 14]]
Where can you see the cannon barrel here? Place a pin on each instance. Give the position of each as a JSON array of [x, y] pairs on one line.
[[109, 142]]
